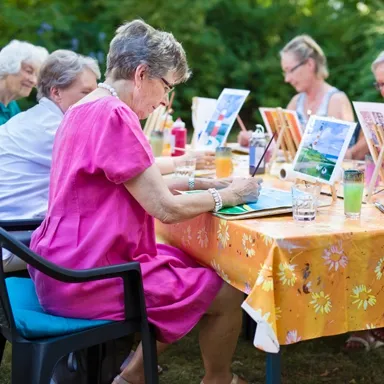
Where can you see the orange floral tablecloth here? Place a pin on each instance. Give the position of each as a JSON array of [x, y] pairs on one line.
[[303, 280]]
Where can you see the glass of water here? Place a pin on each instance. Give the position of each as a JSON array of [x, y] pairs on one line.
[[184, 166], [304, 201]]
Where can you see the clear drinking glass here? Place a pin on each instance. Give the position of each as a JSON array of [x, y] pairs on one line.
[[184, 167], [353, 192], [157, 140], [223, 162], [304, 201]]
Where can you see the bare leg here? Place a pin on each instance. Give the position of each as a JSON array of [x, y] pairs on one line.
[[220, 329], [134, 372]]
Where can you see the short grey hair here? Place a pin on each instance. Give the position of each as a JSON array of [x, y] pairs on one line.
[[304, 47], [17, 52], [379, 60], [138, 43], [61, 69]]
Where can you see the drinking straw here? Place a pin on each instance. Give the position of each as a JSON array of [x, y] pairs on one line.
[[242, 126], [262, 157]]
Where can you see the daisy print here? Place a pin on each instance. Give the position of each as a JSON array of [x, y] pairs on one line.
[[321, 302], [264, 278], [278, 313], [335, 257], [287, 274], [222, 233], [362, 297], [292, 337], [379, 269], [248, 245], [220, 272], [202, 237], [187, 237]]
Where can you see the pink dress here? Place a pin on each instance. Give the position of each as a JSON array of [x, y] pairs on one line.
[[93, 221]]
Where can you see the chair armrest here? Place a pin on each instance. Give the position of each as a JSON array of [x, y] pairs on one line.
[[129, 272], [20, 224]]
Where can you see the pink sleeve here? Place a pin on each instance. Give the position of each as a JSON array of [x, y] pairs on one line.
[[120, 148]]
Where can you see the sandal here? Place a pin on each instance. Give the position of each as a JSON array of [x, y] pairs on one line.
[[129, 358], [235, 380], [119, 380], [367, 342], [378, 333]]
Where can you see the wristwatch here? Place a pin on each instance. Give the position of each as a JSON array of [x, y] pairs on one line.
[[217, 198]]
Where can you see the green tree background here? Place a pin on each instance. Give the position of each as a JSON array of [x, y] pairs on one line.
[[229, 43]]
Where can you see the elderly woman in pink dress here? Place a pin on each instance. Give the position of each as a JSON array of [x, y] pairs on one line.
[[105, 192]]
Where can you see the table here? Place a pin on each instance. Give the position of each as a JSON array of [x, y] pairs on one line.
[[303, 280]]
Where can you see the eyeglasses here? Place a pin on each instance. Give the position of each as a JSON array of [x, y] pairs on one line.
[[168, 85], [378, 86], [285, 73]]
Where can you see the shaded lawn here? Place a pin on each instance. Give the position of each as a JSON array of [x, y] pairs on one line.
[[310, 362]]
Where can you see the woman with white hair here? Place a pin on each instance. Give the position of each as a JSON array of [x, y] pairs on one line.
[[26, 140], [19, 67], [106, 190]]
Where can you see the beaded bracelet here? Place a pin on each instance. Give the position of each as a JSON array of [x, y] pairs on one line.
[[217, 198]]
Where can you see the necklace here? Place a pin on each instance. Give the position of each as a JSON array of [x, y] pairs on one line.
[[108, 88]]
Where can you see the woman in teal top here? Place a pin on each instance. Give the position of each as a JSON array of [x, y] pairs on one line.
[[19, 66]]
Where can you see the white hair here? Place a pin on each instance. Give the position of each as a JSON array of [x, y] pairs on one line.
[[61, 69], [18, 52], [138, 43], [379, 60]]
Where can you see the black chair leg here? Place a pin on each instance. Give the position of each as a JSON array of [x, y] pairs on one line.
[[148, 340], [32, 364], [2, 346]]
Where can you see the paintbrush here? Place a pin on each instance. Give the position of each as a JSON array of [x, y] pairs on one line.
[[262, 157]]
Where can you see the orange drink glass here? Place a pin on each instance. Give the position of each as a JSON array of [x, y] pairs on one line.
[[223, 161]]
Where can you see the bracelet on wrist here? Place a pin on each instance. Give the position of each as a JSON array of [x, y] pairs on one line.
[[217, 199], [191, 183]]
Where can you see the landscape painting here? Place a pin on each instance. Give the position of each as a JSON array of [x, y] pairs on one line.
[[322, 149]]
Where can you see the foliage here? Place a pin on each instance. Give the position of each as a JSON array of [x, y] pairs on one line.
[[229, 43]]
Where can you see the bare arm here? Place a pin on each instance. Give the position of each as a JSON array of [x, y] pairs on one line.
[[154, 196], [293, 103], [340, 107], [359, 150]]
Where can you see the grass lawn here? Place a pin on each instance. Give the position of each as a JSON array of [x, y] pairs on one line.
[[311, 362]]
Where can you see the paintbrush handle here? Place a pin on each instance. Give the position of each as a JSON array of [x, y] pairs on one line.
[[263, 155]]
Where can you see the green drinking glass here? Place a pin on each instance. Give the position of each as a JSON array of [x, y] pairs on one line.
[[353, 192]]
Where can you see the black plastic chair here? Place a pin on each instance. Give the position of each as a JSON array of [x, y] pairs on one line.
[[33, 360], [22, 228]]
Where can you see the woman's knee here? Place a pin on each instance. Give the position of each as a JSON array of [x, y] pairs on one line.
[[227, 300]]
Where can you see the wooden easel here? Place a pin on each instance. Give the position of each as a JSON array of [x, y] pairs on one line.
[[333, 187], [285, 138], [377, 153]]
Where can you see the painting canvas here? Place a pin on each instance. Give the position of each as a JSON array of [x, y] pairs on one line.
[[371, 119], [322, 149], [227, 108], [273, 124]]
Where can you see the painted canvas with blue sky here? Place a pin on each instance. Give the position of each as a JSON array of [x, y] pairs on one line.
[[322, 149], [227, 108]]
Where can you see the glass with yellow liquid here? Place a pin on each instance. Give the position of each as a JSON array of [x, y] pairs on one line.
[[223, 162], [353, 192]]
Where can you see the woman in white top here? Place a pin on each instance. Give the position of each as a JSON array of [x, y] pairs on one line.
[[305, 68], [19, 66], [26, 140]]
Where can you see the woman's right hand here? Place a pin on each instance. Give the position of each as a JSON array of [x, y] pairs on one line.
[[245, 190]]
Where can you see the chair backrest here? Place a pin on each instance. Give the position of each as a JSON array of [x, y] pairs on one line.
[[6, 316]]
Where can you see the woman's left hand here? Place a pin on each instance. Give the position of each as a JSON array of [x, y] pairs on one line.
[[204, 159]]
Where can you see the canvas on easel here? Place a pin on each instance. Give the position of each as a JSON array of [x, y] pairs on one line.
[[322, 150], [371, 118], [226, 110], [286, 126]]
